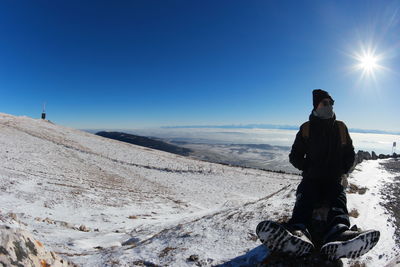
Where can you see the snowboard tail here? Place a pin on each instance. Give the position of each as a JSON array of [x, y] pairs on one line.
[[352, 248], [278, 239]]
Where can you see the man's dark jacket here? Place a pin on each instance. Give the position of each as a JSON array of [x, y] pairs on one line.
[[323, 155]]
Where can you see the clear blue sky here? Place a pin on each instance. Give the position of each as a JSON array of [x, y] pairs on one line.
[[133, 64]]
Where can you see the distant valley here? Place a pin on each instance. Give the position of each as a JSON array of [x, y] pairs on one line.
[[259, 156], [146, 142]]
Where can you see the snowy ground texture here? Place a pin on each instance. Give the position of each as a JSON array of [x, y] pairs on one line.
[[100, 202]]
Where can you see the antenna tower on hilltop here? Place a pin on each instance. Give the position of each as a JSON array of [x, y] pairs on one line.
[[44, 111]]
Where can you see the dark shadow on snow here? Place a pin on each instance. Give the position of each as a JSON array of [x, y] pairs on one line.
[[251, 258]]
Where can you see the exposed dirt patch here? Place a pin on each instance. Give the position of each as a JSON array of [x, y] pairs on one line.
[[358, 264], [391, 193], [392, 165], [354, 189], [354, 213], [142, 263], [165, 251]]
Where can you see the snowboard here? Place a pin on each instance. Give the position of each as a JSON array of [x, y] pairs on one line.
[[352, 248], [287, 249]]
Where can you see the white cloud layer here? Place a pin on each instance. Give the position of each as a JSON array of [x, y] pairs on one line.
[[380, 143]]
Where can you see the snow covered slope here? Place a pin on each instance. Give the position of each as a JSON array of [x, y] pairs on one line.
[[101, 202]]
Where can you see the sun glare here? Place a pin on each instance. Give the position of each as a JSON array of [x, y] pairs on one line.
[[368, 62]]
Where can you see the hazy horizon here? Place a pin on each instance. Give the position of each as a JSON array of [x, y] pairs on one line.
[[237, 126], [378, 142]]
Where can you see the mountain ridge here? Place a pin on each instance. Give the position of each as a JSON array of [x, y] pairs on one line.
[[146, 142]]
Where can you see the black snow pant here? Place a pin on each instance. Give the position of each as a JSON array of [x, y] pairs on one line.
[[311, 193]]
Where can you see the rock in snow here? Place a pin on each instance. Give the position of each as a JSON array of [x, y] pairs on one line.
[[19, 248]]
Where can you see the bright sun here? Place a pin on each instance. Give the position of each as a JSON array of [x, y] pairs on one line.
[[368, 63]]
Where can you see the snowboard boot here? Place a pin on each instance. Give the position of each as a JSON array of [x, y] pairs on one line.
[[285, 238], [342, 242]]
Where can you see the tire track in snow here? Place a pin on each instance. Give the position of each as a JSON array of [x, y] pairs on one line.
[[209, 216]]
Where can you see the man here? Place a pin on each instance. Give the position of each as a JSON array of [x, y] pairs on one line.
[[323, 151]]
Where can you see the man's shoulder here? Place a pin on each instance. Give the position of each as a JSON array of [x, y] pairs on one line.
[[304, 124], [344, 135], [341, 124], [305, 129]]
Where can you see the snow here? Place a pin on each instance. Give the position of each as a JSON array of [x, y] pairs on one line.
[[147, 206], [372, 215]]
